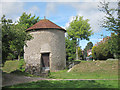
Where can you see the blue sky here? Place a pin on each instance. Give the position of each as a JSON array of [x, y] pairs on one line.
[[61, 13]]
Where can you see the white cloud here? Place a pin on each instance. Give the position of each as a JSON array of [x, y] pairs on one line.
[[11, 9], [33, 10], [50, 9], [95, 20], [90, 11]]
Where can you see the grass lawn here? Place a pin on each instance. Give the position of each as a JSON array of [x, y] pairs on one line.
[[69, 84], [90, 70], [85, 70]]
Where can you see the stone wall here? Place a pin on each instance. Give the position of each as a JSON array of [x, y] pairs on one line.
[[52, 41]]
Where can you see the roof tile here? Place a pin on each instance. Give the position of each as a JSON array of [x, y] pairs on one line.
[[44, 23]]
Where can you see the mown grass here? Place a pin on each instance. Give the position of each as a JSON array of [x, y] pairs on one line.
[[84, 70], [13, 65], [90, 70], [68, 84]]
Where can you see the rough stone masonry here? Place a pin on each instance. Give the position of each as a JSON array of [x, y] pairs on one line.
[[46, 51]]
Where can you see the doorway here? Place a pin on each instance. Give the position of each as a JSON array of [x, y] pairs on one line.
[[45, 61]]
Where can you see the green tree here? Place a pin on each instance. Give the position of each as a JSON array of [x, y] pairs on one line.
[[7, 36], [94, 52], [114, 45], [80, 54], [20, 36], [88, 47], [112, 23], [79, 29], [102, 51], [27, 20], [70, 49], [14, 35]]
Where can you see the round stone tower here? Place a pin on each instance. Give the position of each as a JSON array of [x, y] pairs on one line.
[[46, 51]]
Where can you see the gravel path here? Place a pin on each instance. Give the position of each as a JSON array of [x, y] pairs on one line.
[[12, 79]]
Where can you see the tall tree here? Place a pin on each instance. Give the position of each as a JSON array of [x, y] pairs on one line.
[[14, 36], [7, 36], [80, 54], [20, 37], [113, 45], [79, 29], [88, 47], [102, 51], [70, 49], [111, 22], [27, 20]]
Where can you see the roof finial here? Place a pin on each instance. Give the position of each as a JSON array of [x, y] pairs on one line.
[[44, 17]]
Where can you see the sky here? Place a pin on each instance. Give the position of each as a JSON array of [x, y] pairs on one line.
[[60, 12]]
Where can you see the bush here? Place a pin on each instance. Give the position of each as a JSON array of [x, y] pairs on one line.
[[94, 52], [22, 65], [102, 51]]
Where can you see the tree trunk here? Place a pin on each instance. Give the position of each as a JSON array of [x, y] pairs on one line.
[[76, 53], [77, 41]]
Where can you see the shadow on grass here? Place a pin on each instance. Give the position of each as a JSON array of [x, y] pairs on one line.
[[62, 84]]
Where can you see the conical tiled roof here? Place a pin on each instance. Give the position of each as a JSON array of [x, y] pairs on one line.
[[45, 24]]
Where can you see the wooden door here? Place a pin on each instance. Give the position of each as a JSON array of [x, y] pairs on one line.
[[45, 60]]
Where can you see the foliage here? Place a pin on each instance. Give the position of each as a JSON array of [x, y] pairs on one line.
[[7, 35], [107, 49], [21, 65], [70, 49], [79, 29], [110, 21], [88, 47], [11, 66], [19, 38], [94, 52], [102, 51], [68, 84], [27, 20], [14, 36], [80, 54], [114, 45]]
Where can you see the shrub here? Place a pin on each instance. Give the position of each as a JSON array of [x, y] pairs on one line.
[[94, 52], [102, 51], [22, 65]]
